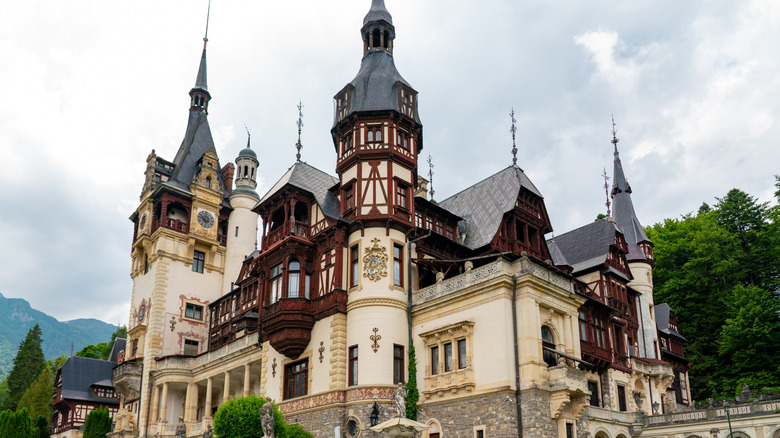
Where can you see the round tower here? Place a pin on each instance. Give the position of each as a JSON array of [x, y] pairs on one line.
[[242, 225]]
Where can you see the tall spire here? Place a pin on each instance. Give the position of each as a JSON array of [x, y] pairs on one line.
[[513, 130], [298, 145], [378, 31], [378, 12], [623, 209], [199, 94]]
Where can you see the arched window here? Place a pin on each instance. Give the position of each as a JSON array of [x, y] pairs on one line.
[[370, 135], [252, 175], [293, 279], [379, 134], [375, 38], [246, 171], [387, 38], [549, 342]]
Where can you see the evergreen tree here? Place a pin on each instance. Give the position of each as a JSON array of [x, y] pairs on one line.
[[97, 424], [28, 364], [42, 423], [412, 393], [15, 424], [37, 398]]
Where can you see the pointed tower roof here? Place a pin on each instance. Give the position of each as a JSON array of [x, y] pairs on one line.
[[623, 210], [378, 12], [197, 138]]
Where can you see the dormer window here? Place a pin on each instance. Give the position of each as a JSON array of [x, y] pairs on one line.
[[407, 102], [208, 181]]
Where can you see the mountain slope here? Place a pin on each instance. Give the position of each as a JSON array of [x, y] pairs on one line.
[[17, 317]]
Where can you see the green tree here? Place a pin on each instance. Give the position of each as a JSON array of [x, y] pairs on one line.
[[42, 423], [93, 351], [37, 398], [706, 266], [241, 418], [749, 345], [28, 364], [412, 393], [16, 424], [97, 424]]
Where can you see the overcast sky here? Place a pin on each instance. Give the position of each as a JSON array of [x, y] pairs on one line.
[[89, 88]]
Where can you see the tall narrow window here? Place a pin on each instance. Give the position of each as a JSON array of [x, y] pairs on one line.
[[307, 287], [549, 342], [370, 138], [276, 283], [198, 260], [398, 364], [462, 360], [349, 202], [354, 265], [293, 279], [593, 387], [569, 430], [448, 357], [398, 262], [434, 360], [296, 376], [583, 327], [621, 390], [353, 365], [400, 195]]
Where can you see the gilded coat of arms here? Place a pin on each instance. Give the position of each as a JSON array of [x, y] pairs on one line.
[[375, 262]]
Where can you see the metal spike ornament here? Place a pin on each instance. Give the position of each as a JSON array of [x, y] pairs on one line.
[[206, 36], [248, 136], [606, 191], [430, 174], [298, 145], [513, 130], [614, 134]]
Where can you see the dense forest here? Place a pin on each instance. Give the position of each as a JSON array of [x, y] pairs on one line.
[[719, 270]]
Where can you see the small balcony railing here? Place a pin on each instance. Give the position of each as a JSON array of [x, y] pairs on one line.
[[171, 224], [300, 229]]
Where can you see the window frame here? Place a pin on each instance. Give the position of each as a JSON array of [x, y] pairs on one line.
[[354, 266], [198, 261], [291, 376], [353, 366], [293, 279], [398, 364], [190, 310], [434, 360], [398, 265], [275, 283], [401, 195]]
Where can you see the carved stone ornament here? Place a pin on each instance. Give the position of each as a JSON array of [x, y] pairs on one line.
[[321, 350], [375, 262], [375, 339], [273, 368]]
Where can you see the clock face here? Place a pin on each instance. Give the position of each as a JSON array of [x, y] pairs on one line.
[[205, 219], [143, 221]]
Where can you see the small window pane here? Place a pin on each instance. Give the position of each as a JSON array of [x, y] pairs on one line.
[[447, 357]]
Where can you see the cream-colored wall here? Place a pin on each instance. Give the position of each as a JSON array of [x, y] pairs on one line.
[[238, 247], [643, 282], [402, 172]]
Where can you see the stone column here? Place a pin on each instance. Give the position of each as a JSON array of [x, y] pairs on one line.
[[567, 339], [226, 390], [164, 403], [187, 403], [192, 389], [207, 414], [246, 380], [154, 407]]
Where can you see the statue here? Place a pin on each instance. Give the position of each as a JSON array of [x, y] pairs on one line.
[[181, 429], [124, 420], [267, 420], [400, 400]]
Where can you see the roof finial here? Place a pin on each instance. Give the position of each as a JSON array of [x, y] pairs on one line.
[[430, 174], [513, 130], [614, 134], [298, 145], [606, 191], [206, 36], [248, 136]]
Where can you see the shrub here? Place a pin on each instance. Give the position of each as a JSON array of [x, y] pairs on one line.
[[241, 418], [97, 424]]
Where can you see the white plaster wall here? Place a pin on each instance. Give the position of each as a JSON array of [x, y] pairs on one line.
[[643, 282], [238, 247]]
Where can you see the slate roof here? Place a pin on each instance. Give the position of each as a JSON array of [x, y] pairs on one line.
[[375, 86], [119, 345], [378, 12], [662, 314], [314, 181], [483, 205], [584, 247], [623, 212], [80, 373]]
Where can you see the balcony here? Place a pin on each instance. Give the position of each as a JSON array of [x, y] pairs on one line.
[[127, 379], [453, 382], [299, 229], [171, 224], [618, 305], [288, 323], [608, 415], [600, 357]]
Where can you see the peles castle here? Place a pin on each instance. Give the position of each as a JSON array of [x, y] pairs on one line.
[[513, 335]]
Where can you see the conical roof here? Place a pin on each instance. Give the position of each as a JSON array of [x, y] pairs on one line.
[[624, 214], [378, 12], [201, 80]]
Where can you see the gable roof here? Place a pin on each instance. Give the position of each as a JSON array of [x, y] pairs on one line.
[[662, 315], [314, 181], [584, 247], [484, 204], [79, 374]]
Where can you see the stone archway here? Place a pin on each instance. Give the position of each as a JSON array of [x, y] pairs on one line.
[[601, 434]]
